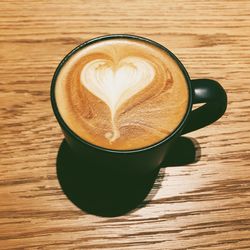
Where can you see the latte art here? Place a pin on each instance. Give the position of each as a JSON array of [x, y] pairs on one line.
[[115, 84], [121, 94]]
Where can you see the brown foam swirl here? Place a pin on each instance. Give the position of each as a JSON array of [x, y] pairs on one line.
[[121, 94]]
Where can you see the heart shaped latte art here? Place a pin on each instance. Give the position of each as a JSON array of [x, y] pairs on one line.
[[115, 84]]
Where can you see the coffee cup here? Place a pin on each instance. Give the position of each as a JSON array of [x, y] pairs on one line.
[[122, 100]]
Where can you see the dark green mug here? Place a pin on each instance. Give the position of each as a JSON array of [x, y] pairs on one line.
[[145, 160]]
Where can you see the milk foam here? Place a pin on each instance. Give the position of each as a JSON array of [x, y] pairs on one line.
[[115, 84], [121, 94]]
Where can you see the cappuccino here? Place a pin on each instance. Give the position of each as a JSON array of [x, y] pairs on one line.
[[121, 93]]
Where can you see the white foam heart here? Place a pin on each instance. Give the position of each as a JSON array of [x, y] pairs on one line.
[[115, 84]]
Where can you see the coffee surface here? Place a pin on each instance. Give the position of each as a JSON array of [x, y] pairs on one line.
[[121, 93]]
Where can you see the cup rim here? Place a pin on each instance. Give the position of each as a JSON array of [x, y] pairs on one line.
[[115, 36]]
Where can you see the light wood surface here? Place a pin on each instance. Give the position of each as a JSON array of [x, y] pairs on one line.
[[204, 205]]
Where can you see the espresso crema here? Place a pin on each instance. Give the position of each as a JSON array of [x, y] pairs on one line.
[[121, 93]]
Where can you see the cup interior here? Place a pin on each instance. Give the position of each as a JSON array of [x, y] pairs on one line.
[[120, 36]]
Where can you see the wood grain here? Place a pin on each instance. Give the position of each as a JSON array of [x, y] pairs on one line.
[[205, 205]]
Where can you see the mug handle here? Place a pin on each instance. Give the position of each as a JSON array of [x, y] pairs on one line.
[[214, 96]]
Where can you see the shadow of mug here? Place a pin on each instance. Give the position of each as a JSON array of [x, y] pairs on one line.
[[110, 195]]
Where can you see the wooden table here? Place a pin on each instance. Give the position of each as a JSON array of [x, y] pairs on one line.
[[204, 205]]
